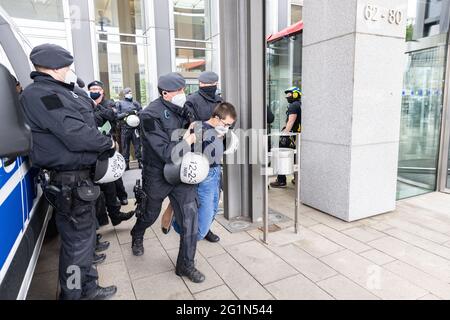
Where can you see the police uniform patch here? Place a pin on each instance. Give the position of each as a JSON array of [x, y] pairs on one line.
[[149, 124], [52, 102]]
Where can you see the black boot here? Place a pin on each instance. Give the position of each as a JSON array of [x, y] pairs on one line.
[[138, 247], [101, 293], [124, 202], [192, 274], [211, 237], [120, 217], [102, 245], [99, 258]]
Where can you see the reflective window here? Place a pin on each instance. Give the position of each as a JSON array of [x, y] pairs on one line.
[[283, 71], [422, 104], [47, 10], [122, 48], [193, 36], [296, 13]]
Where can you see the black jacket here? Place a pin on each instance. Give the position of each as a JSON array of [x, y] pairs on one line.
[[202, 106], [159, 121], [62, 138]]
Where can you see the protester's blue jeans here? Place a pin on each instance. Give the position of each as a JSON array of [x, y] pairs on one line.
[[208, 195]]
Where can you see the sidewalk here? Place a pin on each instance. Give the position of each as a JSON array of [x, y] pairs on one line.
[[400, 255]]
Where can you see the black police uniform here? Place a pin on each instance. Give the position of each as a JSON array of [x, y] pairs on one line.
[[294, 108], [130, 135], [107, 113], [65, 144], [202, 104], [110, 190], [158, 122]]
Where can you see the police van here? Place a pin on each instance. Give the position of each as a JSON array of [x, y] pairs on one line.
[[24, 213]]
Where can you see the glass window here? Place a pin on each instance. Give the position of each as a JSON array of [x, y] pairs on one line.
[[421, 122], [48, 10], [284, 67], [192, 33], [122, 48], [422, 101], [296, 13]]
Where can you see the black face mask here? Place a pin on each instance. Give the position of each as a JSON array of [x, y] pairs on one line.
[[209, 91], [95, 95], [291, 100]]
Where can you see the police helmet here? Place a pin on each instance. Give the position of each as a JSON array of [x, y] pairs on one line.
[[110, 170], [133, 121], [193, 169]]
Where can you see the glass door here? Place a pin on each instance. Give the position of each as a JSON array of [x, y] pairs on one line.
[[421, 120]]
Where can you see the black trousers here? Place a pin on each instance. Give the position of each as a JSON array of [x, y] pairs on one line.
[[120, 190], [129, 137], [77, 226], [184, 202]]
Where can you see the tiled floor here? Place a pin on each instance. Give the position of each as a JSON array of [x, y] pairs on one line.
[[401, 255]]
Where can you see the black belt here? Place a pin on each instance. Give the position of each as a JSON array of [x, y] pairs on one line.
[[69, 177]]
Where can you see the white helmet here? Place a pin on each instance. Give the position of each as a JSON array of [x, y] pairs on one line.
[[194, 169], [110, 170], [232, 143], [133, 121]]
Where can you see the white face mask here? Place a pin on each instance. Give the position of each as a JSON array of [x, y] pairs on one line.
[[71, 77], [221, 130], [129, 96], [179, 100]]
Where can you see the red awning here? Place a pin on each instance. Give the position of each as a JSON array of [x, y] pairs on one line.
[[290, 31]]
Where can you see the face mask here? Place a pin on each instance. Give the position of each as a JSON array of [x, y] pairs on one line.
[[179, 100], [290, 100], [95, 95], [210, 91], [71, 77], [221, 130], [129, 96]]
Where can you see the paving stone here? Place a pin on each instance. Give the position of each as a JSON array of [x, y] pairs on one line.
[[163, 286], [330, 221], [278, 238], [154, 261], [379, 281], [364, 233], [123, 231], [49, 257], [227, 238], [243, 285], [377, 257], [297, 288], [311, 267], [260, 262], [420, 278], [340, 238], [218, 293], [116, 273], [417, 241], [421, 259], [429, 297], [212, 279], [208, 249], [342, 288], [316, 245], [418, 230]]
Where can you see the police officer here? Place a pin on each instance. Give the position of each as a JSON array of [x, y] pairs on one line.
[[68, 147], [205, 100], [293, 125], [105, 111], [158, 123], [129, 135]]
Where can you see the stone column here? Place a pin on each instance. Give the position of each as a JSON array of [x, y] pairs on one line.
[[352, 83]]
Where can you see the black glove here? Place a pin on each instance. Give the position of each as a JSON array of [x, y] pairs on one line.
[[106, 155]]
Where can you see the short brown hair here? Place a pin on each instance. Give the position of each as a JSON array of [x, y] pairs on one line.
[[225, 109]]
